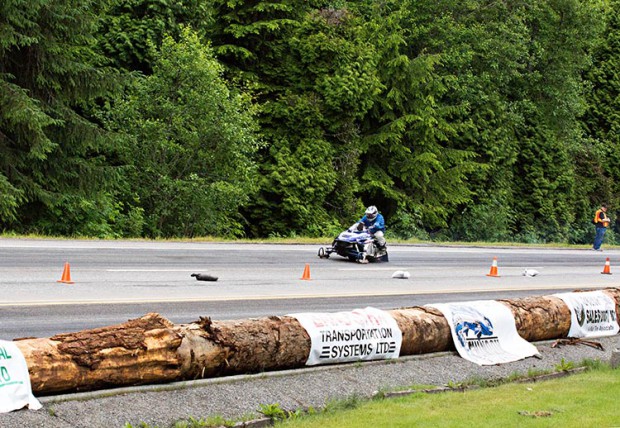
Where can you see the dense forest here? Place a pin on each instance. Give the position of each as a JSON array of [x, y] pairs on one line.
[[470, 120]]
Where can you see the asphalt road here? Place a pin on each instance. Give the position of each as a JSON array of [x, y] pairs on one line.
[[115, 281], [118, 280]]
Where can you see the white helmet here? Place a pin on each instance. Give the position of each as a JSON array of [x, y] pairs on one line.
[[371, 212]]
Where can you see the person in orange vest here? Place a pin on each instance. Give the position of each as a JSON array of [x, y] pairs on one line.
[[601, 222]]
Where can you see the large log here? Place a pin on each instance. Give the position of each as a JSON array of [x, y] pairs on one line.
[[152, 349]]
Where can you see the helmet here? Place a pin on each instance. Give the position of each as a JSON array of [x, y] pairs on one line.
[[371, 212]]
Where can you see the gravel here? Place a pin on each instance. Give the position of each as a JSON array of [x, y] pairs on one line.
[[240, 397]]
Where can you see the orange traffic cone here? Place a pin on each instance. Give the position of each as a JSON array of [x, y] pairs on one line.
[[66, 275], [493, 271], [306, 274], [607, 268]]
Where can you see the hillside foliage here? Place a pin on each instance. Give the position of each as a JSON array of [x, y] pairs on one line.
[[461, 120]]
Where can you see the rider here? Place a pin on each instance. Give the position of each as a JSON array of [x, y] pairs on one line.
[[374, 223]]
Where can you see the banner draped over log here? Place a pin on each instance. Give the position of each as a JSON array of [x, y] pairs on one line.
[[151, 349]]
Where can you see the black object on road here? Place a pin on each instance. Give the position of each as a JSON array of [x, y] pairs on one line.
[[204, 277]]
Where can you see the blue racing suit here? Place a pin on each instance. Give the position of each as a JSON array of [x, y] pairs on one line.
[[375, 225]]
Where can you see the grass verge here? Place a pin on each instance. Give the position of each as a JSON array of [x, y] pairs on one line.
[[581, 400], [326, 240]]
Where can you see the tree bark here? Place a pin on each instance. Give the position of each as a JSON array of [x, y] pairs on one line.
[[151, 349]]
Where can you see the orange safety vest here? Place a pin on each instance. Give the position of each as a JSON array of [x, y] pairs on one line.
[[597, 218]]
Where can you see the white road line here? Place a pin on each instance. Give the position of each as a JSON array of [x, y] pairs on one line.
[[359, 269], [157, 270], [293, 296]]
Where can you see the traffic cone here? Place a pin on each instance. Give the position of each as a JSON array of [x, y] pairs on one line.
[[493, 271], [306, 274], [607, 268], [66, 275]]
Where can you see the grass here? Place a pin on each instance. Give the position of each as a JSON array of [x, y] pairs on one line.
[[582, 400], [326, 240]]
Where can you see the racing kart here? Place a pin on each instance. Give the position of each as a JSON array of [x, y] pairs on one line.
[[354, 245]]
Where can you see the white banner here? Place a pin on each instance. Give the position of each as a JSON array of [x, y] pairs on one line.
[[15, 390], [592, 314], [362, 334], [484, 332]]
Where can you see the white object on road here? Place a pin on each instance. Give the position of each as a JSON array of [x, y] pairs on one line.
[[530, 272], [401, 274]]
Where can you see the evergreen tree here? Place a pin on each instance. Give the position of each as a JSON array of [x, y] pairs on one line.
[[462, 118], [551, 100], [328, 82], [598, 162], [411, 164], [56, 165], [486, 101], [314, 73], [483, 46], [132, 30]]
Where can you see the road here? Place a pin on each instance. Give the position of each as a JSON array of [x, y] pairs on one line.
[[118, 280]]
